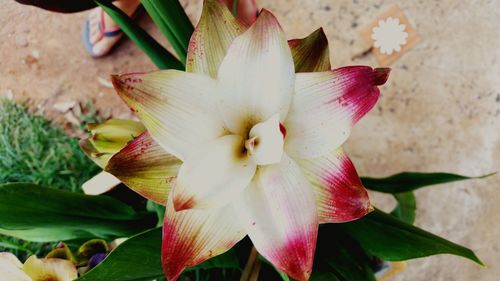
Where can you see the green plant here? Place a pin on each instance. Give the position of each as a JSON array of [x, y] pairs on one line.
[[352, 237], [34, 150]]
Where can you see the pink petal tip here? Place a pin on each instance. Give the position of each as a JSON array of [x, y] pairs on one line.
[[380, 75]]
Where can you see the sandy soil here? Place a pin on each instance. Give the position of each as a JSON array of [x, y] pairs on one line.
[[439, 111]]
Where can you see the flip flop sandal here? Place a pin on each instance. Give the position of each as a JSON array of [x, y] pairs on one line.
[[117, 33]]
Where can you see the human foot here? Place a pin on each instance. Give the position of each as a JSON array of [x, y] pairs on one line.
[[100, 32]]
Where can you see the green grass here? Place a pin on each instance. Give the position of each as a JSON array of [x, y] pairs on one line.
[[32, 149]]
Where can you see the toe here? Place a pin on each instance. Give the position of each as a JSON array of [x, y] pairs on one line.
[[104, 45], [94, 31]]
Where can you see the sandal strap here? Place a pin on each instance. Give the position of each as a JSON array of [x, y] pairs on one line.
[[107, 33]]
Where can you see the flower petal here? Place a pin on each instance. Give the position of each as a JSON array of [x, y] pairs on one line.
[[214, 33], [326, 105], [50, 269], [146, 168], [256, 77], [311, 54], [114, 134], [340, 195], [213, 174], [246, 10], [100, 184], [10, 268], [100, 158], [108, 138], [265, 145], [176, 107], [193, 236], [279, 212]]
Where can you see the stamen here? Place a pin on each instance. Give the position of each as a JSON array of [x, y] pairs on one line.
[[283, 130], [250, 145]]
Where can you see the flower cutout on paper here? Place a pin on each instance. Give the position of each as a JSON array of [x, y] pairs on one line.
[[389, 35]]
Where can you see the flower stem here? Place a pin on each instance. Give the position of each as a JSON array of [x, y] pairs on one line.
[[255, 271], [252, 267]]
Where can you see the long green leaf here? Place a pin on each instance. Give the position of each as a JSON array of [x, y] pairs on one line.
[[40, 214], [154, 10], [139, 258], [406, 208], [162, 58], [409, 181], [339, 254], [165, 30], [171, 15], [347, 267], [391, 239], [13, 245]]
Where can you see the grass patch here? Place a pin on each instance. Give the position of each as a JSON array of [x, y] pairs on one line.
[[34, 150]]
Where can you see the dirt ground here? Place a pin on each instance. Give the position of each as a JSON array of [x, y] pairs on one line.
[[440, 110]]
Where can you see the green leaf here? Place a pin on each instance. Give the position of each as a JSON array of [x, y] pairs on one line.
[[225, 261], [162, 58], [264, 270], [325, 276], [173, 22], [283, 275], [339, 254], [391, 239], [139, 258], [36, 213], [407, 205], [13, 245], [151, 206], [347, 267], [409, 181]]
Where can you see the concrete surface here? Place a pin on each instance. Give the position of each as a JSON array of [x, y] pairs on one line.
[[439, 111]]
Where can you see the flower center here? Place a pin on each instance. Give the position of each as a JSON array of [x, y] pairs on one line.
[[265, 141]]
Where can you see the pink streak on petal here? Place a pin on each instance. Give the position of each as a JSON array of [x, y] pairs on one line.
[[173, 265], [297, 246], [360, 93], [348, 199]]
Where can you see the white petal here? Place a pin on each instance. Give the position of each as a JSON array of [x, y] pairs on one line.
[[214, 33], [50, 269], [177, 108], [265, 145], [100, 183], [213, 174], [10, 268], [326, 105], [193, 236], [340, 195], [256, 77], [279, 212]]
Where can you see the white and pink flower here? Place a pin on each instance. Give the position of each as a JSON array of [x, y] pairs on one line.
[[247, 141]]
